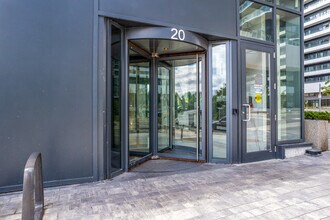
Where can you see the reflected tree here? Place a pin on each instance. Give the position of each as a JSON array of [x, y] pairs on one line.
[[219, 103]]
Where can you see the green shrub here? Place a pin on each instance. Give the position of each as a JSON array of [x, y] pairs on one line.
[[317, 115]]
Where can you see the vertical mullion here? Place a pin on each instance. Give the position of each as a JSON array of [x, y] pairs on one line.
[[153, 107], [197, 107], [204, 107]]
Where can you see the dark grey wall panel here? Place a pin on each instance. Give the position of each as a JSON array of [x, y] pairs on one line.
[[217, 17], [46, 87]]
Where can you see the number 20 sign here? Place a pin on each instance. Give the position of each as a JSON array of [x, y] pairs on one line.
[[178, 34]]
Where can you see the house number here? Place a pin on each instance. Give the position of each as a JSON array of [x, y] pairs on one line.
[[178, 34]]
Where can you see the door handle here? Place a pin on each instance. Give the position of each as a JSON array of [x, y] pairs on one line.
[[249, 112]]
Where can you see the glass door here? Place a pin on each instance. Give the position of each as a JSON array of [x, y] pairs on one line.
[[258, 102], [139, 108], [185, 103], [114, 146], [163, 107], [179, 106], [165, 100]]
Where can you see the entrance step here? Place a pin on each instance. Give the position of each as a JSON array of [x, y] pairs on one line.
[[293, 150], [314, 152]]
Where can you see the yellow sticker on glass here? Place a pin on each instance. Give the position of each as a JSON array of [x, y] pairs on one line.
[[258, 98]]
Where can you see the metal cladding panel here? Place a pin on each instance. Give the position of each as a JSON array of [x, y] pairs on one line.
[[46, 88], [214, 17]]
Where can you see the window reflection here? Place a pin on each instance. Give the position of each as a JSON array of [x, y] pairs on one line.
[[219, 120], [138, 100], [185, 97], [293, 4], [257, 95], [256, 20], [115, 108], [288, 76]]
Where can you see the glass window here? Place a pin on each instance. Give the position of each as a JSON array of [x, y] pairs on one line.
[[139, 103], [317, 14], [317, 42], [256, 20], [219, 119], [315, 79], [311, 56], [293, 4], [317, 67], [115, 99], [164, 107], [288, 76], [321, 27]]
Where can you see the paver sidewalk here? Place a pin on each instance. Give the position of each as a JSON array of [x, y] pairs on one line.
[[276, 189]]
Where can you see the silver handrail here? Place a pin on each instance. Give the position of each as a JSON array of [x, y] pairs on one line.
[[33, 189]]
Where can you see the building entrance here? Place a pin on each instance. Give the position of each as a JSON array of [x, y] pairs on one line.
[[258, 109], [165, 99]]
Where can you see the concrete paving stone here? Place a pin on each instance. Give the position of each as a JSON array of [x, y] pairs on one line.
[[292, 201], [258, 211], [225, 213], [263, 190], [275, 215], [292, 211], [317, 214], [237, 209], [272, 207], [12, 217], [323, 201], [208, 216], [239, 216]]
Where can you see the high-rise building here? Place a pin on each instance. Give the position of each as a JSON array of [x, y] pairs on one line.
[[317, 51]]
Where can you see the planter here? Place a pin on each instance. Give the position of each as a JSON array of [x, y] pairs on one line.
[[316, 132]]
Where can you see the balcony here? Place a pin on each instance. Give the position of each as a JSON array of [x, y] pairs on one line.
[[317, 48], [317, 6], [317, 34], [317, 72], [317, 60], [317, 20]]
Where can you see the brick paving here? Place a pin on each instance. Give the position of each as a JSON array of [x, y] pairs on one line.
[[296, 188]]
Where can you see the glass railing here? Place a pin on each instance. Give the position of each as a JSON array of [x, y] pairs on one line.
[[318, 28], [319, 14], [317, 42], [317, 67], [321, 54], [314, 4], [316, 79]]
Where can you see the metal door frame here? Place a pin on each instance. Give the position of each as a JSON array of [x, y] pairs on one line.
[[231, 102], [159, 33], [160, 64], [106, 82], [200, 86], [260, 155]]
